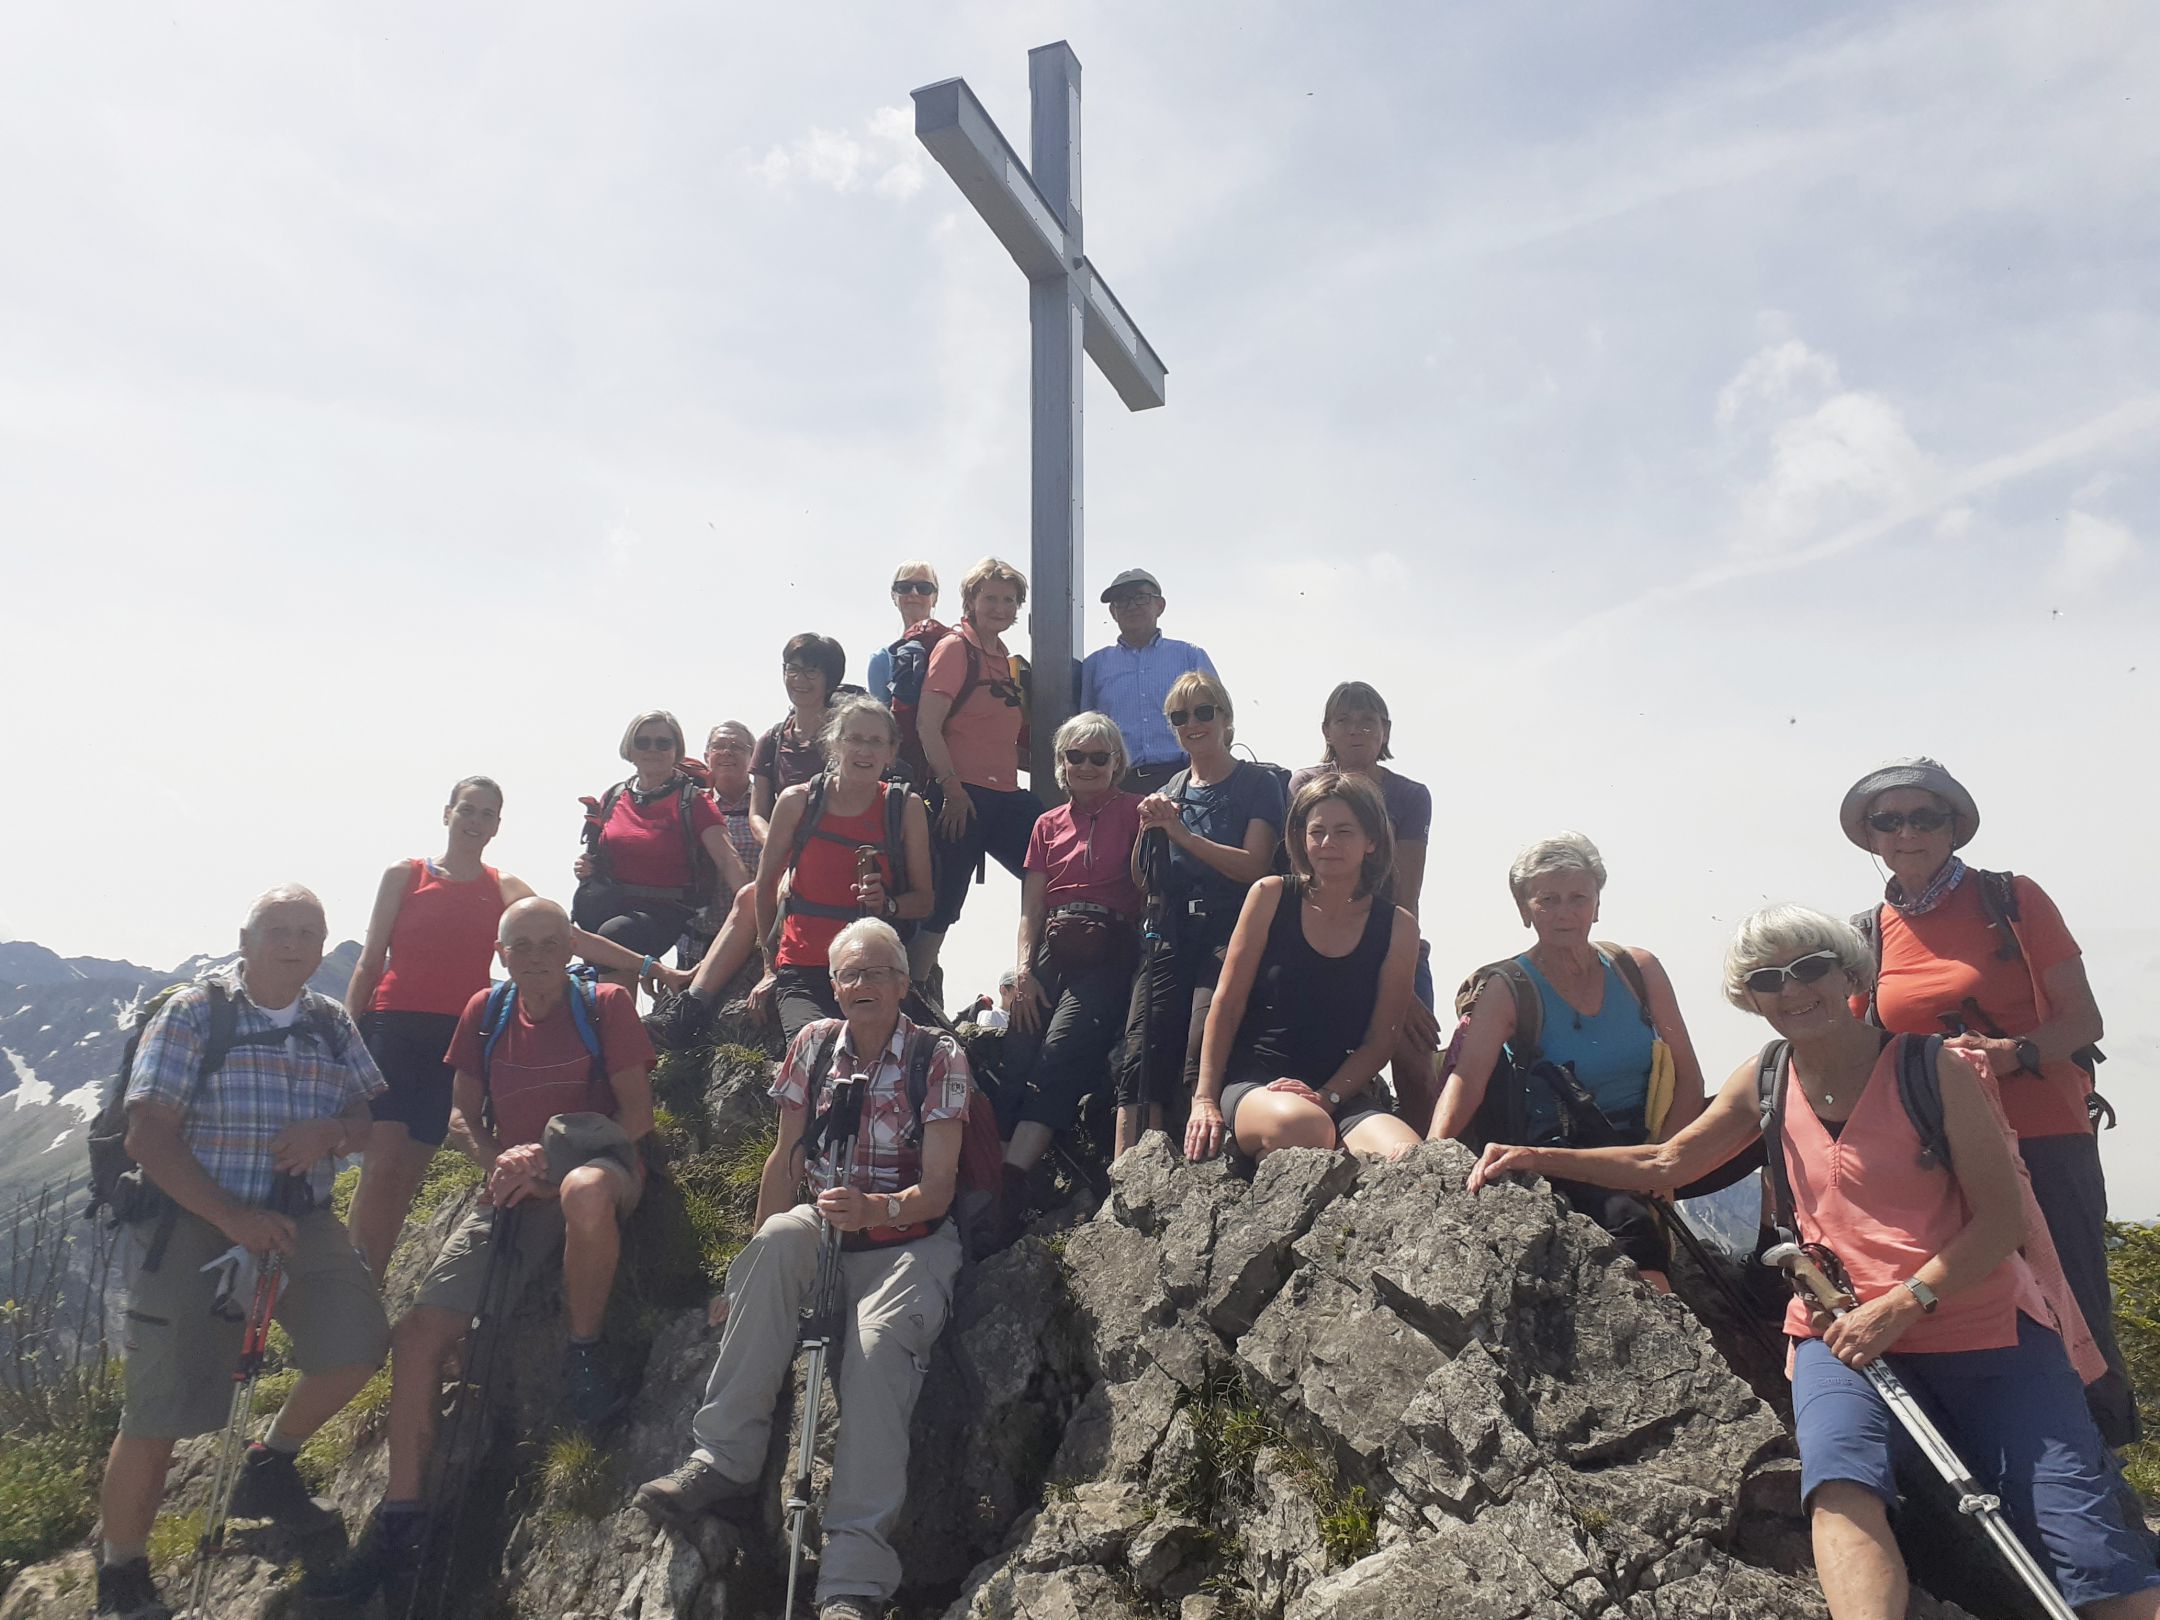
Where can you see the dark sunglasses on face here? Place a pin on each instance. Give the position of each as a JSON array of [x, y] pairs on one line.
[[1098, 757], [653, 745], [913, 587], [1202, 712], [1920, 821], [1768, 981]]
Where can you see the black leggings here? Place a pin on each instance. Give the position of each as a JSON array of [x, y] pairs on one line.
[[999, 828], [1064, 1060], [642, 923], [801, 996], [1162, 1034]]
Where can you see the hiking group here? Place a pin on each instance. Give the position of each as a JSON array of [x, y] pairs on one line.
[[1210, 945]]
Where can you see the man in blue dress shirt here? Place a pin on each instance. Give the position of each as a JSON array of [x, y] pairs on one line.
[[1129, 679]]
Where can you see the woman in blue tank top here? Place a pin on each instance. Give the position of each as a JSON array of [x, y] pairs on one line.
[[1591, 1020]]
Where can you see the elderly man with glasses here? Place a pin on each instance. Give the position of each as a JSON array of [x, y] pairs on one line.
[[900, 1256], [1129, 679]]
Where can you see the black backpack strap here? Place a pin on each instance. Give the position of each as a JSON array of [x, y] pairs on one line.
[[1999, 905], [921, 1053], [1771, 1082], [812, 1145], [1631, 971], [693, 848], [1868, 925], [1919, 1084], [896, 798]]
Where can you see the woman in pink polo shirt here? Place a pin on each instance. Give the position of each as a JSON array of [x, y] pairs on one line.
[[1079, 940], [1948, 1258]]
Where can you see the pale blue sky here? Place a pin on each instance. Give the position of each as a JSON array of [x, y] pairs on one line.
[[1672, 409]]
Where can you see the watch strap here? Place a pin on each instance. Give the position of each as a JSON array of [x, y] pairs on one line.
[[1919, 1290]]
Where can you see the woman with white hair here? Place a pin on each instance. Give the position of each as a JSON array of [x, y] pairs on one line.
[[653, 845], [1929, 1234], [1576, 1007], [1986, 958], [1079, 940]]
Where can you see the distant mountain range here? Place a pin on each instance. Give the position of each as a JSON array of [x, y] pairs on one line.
[[63, 1025]]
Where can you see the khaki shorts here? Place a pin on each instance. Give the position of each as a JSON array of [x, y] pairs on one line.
[[180, 1357], [459, 1276]]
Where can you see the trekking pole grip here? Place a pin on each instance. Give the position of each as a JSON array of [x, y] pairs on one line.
[[1797, 1262]]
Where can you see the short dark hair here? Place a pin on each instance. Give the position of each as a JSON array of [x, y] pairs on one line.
[[1365, 803], [464, 782], [821, 653]]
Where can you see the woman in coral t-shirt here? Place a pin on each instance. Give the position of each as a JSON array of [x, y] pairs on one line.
[[430, 947], [1952, 1273], [1984, 958]]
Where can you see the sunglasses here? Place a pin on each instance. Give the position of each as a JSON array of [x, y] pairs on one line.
[[1098, 757], [1768, 981], [653, 745], [1202, 712], [913, 587], [1921, 821]]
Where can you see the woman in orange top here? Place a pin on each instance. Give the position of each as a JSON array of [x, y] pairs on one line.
[[1984, 958], [1984, 1333]]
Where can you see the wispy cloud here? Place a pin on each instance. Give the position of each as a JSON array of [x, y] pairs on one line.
[[2093, 548], [881, 154]]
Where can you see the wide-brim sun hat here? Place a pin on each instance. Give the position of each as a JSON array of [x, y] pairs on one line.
[[1916, 772]]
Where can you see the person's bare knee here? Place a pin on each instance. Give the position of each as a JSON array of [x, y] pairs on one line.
[[590, 1198], [1383, 1135]]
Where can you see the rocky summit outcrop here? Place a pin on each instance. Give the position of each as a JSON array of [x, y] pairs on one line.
[[1330, 1389]]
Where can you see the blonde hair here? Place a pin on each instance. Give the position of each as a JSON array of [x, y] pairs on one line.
[[990, 568], [908, 570], [1198, 686], [631, 730]]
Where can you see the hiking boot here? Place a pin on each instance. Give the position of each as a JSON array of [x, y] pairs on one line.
[[270, 1487], [388, 1558], [693, 1489], [851, 1608], [126, 1592], [679, 1023], [589, 1389]]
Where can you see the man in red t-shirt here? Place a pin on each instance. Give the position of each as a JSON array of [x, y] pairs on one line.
[[556, 1129]]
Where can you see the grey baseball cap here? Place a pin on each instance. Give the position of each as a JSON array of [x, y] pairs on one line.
[[1916, 772], [1132, 576]]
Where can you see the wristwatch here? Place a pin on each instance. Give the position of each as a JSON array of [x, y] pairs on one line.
[[1927, 1296], [892, 1213], [2028, 1056]]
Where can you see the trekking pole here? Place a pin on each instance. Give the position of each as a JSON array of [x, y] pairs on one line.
[[820, 1326], [254, 1343], [483, 1338], [1972, 1501]]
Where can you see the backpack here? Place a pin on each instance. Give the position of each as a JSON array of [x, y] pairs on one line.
[[1919, 1089], [1504, 1114], [118, 1188], [979, 1184], [495, 1023], [910, 663], [704, 871], [1018, 675], [1999, 906], [894, 848]]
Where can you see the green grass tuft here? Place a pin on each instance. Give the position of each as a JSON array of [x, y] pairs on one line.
[[173, 1541], [449, 1175], [328, 1447], [577, 1479], [341, 1192], [48, 1497]]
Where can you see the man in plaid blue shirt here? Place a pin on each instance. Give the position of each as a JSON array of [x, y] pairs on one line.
[[289, 1098]]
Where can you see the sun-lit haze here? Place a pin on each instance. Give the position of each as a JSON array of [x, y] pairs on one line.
[[1673, 410]]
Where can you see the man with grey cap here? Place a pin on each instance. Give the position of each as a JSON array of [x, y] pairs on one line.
[[1984, 959], [1129, 679]]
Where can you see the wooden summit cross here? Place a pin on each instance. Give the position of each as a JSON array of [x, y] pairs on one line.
[[1035, 212]]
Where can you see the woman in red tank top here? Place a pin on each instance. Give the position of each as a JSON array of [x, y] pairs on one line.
[[1949, 1260], [430, 949]]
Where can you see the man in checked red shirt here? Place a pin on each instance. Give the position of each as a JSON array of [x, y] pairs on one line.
[[900, 1258]]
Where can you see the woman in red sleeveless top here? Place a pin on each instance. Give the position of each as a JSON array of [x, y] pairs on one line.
[[1949, 1259], [430, 949], [813, 847]]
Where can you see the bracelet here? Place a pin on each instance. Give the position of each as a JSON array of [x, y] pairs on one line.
[[645, 971]]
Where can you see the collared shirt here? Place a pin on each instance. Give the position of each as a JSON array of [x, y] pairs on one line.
[[1937, 891], [740, 832], [885, 1161], [1129, 685], [317, 1073]]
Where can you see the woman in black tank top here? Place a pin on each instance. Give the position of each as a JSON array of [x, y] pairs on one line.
[[1312, 992]]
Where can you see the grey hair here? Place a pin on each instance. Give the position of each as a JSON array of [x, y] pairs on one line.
[[1090, 725], [836, 724], [1562, 852], [874, 931], [1785, 932], [283, 894], [630, 732]]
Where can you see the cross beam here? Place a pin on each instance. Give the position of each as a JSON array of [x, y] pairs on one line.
[[1034, 210]]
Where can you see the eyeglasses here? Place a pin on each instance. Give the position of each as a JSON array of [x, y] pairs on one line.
[[856, 739], [1202, 712], [1768, 981], [653, 745], [727, 748], [800, 669], [536, 947], [913, 587], [1920, 821], [1097, 757], [849, 978], [1131, 598]]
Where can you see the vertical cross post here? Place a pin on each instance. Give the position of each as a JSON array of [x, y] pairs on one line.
[[1057, 318]]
